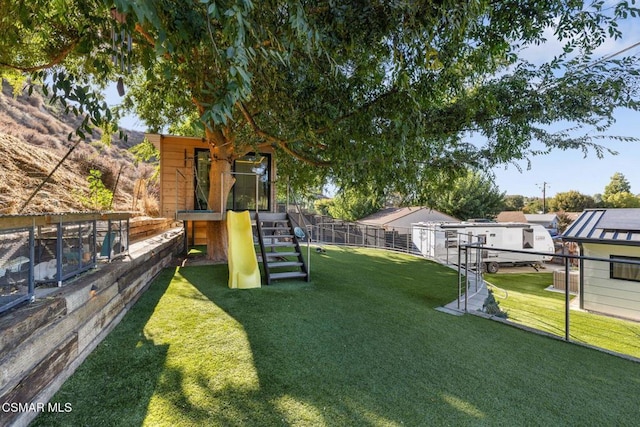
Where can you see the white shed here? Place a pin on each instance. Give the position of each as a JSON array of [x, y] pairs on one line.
[[607, 286]]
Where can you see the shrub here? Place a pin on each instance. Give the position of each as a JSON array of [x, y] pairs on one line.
[[99, 196], [491, 306]]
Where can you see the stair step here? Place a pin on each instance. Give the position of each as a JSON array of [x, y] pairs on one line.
[[280, 245], [281, 254], [276, 264], [269, 216], [288, 275], [284, 226], [288, 230], [277, 236]]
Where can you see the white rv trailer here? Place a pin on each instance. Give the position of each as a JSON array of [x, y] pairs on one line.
[[442, 240]]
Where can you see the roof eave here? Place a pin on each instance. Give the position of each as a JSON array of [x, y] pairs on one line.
[[601, 241]]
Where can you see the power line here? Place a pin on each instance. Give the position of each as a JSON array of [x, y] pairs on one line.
[[606, 58], [591, 64]]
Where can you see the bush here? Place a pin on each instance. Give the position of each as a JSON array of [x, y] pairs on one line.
[[99, 196], [492, 307]]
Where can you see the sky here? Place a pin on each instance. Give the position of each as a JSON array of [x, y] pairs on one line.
[[561, 171], [558, 171], [571, 170]]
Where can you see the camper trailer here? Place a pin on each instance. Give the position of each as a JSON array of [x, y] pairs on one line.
[[442, 240]]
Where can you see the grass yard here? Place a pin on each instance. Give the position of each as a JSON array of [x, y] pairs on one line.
[[361, 344], [528, 303]]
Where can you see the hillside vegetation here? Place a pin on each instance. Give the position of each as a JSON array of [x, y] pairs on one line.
[[34, 139]]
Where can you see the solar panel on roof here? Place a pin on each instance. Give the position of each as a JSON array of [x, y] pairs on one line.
[[621, 219], [585, 225]]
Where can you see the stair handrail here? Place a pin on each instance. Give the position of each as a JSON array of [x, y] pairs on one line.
[[308, 228], [263, 251]]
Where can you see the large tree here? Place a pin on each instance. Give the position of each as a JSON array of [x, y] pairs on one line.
[[473, 195], [533, 205], [571, 201], [513, 202], [373, 94], [352, 205], [618, 184], [617, 194]]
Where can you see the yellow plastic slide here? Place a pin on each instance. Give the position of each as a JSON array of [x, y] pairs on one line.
[[243, 263]]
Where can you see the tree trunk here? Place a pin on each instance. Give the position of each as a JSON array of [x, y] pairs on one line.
[[221, 181]]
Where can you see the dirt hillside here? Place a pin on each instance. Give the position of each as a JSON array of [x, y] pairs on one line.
[[34, 139]]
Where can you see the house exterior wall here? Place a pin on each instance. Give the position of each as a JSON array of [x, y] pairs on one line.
[[603, 294]]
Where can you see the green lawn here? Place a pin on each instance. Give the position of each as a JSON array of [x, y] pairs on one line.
[[527, 302], [361, 344]]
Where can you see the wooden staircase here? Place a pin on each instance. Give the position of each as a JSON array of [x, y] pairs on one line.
[[279, 248]]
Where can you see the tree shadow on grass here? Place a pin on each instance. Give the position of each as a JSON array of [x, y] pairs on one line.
[[328, 354], [355, 347], [352, 347], [115, 383]]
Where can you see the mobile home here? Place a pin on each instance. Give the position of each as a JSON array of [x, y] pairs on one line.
[[442, 240]]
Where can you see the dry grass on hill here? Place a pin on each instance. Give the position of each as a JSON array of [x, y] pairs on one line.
[[33, 140]]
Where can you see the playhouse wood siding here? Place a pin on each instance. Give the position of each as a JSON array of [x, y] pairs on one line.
[[603, 294], [177, 180], [176, 171]]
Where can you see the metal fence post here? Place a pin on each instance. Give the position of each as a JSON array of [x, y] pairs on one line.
[[32, 256], [478, 263], [566, 300], [459, 278], [347, 236], [466, 278], [59, 253]]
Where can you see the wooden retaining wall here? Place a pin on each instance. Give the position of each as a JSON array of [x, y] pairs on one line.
[[42, 343], [142, 228]]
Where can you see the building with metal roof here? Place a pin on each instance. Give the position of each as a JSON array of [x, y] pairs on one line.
[[611, 226], [609, 239]]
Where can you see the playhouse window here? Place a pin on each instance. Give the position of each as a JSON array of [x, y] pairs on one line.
[[252, 173], [243, 193], [624, 271]]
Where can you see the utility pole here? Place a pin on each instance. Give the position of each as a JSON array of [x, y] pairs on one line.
[[544, 196]]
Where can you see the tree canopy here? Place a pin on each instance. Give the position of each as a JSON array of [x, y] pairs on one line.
[[473, 195], [351, 205], [617, 194], [373, 94], [618, 184], [571, 201], [534, 205], [513, 202]]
